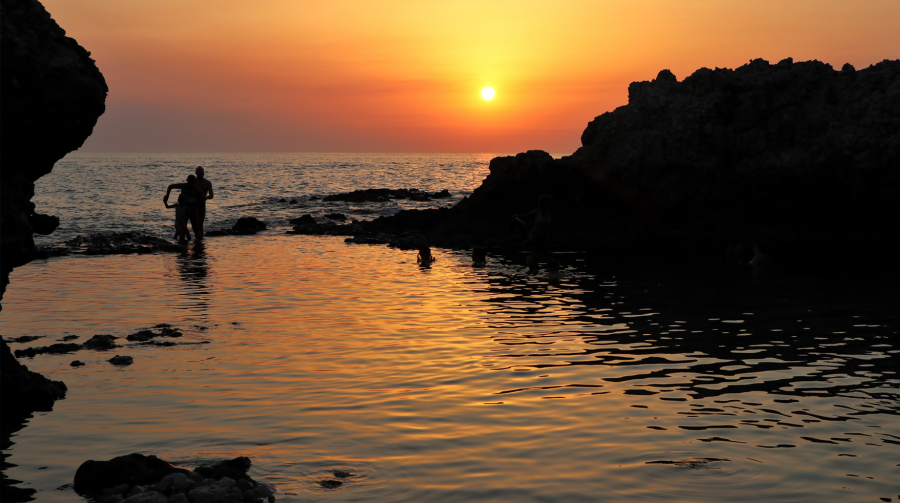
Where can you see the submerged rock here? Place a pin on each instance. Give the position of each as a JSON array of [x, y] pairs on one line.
[[24, 338], [380, 195], [100, 341], [245, 226], [112, 243], [330, 484], [121, 360]]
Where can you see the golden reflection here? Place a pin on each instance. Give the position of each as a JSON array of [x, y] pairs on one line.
[[193, 269]]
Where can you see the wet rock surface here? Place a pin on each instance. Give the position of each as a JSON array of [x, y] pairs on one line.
[[111, 243], [137, 478]]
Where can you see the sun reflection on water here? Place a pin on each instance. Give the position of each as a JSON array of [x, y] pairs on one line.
[[461, 383]]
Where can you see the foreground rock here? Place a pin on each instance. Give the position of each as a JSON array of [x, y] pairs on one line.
[[23, 392], [112, 243], [138, 478], [52, 95], [795, 154]]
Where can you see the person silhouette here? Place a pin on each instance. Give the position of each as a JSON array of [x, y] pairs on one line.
[[543, 216], [186, 209], [206, 192], [424, 257]]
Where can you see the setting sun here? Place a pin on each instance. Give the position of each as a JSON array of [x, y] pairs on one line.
[[487, 93]]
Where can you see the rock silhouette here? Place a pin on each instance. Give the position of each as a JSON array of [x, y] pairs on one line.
[[798, 153], [53, 94]]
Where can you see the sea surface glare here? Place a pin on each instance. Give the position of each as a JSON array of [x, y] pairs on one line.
[[632, 382]]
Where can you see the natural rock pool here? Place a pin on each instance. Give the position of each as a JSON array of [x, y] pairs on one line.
[[620, 382]]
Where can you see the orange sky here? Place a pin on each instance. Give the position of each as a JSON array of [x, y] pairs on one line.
[[406, 76]]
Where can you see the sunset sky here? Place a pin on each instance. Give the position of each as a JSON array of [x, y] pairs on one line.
[[406, 76]]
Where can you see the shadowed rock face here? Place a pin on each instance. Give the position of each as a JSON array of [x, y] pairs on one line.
[[797, 154], [53, 94]]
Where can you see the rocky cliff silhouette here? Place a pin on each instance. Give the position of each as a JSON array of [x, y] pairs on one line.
[[52, 95], [798, 154]]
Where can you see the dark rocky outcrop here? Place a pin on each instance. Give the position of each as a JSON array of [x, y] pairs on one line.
[[111, 243], [53, 94], [140, 478], [23, 392], [797, 154], [245, 226], [377, 195]]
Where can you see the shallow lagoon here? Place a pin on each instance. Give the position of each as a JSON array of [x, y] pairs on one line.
[[455, 383]]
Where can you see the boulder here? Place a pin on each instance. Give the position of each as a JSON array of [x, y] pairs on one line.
[[121, 360], [248, 224], [132, 469], [100, 341]]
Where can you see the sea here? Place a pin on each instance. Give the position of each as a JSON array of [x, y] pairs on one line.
[[618, 381]]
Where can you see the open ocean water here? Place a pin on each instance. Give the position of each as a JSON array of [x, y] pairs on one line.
[[618, 382]]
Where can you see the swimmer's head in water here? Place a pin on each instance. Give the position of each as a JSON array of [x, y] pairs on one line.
[[553, 264], [545, 202], [531, 261]]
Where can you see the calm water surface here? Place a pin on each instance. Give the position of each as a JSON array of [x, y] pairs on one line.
[[455, 383]]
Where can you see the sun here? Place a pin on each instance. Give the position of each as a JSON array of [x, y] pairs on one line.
[[487, 93]]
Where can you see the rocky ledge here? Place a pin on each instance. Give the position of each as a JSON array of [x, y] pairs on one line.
[[799, 155], [137, 478]]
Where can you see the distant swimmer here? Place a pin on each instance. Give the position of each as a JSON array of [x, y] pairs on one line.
[[760, 258], [543, 217], [479, 257], [424, 257], [206, 192]]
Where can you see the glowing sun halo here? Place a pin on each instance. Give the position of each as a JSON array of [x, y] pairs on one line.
[[487, 93]]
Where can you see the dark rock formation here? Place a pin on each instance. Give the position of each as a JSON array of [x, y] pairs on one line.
[[121, 360], [112, 243], [336, 216], [145, 479], [245, 226], [53, 94], [100, 341], [146, 335], [23, 392], [133, 469], [376, 195], [798, 154], [303, 220]]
